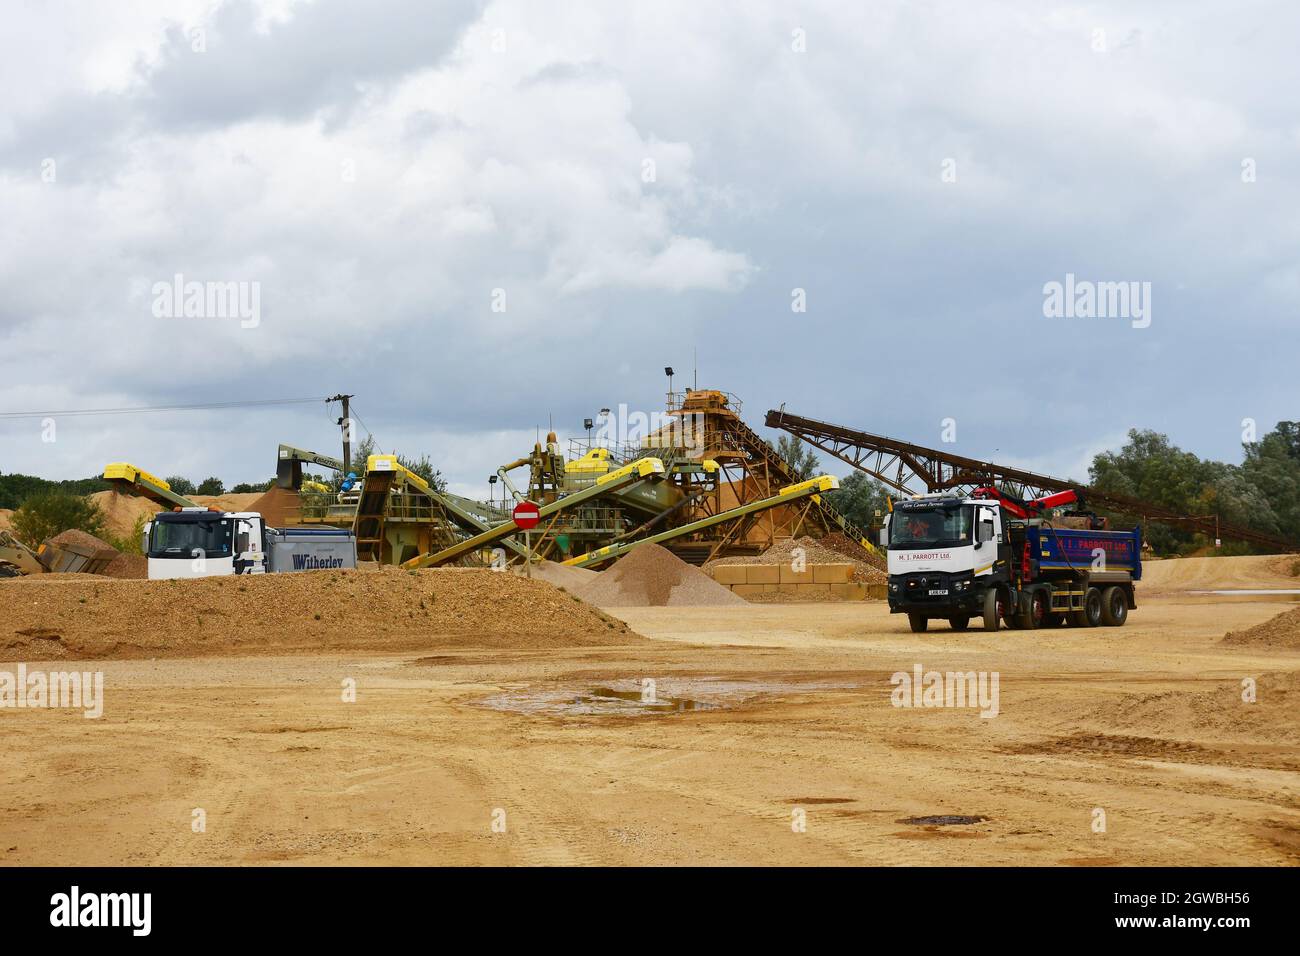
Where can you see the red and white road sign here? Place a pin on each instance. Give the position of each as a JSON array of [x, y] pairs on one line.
[[526, 515]]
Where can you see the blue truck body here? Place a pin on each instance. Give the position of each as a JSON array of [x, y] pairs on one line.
[[1070, 549]]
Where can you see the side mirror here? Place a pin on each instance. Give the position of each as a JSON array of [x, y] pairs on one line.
[[985, 532], [884, 537]]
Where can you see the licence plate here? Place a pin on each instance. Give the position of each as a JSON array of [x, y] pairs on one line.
[[943, 592]]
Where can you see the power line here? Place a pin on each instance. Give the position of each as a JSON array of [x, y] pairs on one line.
[[68, 412]]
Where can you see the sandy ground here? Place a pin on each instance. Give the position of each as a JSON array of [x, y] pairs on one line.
[[1144, 724]]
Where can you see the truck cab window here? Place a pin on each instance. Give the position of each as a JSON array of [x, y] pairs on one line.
[[937, 525]]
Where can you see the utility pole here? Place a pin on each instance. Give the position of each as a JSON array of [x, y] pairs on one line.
[[345, 422]]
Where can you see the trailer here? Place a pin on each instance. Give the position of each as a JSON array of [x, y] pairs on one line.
[[992, 557]]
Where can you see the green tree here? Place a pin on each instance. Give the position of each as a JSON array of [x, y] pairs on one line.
[[858, 498], [48, 513], [16, 488], [181, 485], [1273, 466], [803, 461], [246, 488], [211, 486], [424, 468]]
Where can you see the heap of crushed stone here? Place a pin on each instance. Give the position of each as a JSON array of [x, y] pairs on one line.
[[651, 576]]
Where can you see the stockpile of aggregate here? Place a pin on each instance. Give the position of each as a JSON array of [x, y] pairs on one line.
[[652, 576], [87, 616]]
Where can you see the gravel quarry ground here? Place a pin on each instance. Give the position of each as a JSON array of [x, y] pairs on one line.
[[766, 735]]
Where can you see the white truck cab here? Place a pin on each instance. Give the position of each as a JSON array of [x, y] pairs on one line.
[[201, 543]]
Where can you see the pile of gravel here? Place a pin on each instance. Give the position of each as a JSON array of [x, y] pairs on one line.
[[651, 576]]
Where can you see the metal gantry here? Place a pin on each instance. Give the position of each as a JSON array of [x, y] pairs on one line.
[[912, 469]]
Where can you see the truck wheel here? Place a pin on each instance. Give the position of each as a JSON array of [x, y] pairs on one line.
[[1114, 606], [1090, 616], [959, 623], [994, 609], [1036, 613], [919, 622]]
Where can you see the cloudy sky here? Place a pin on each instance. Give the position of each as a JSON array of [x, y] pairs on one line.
[[478, 217]]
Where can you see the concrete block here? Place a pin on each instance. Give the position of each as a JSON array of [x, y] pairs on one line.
[[790, 576], [729, 574], [762, 573], [832, 573], [813, 590]]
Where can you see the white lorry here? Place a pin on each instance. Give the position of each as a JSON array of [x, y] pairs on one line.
[[1001, 560], [203, 543]]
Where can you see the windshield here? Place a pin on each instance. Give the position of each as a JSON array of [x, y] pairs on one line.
[[931, 527], [181, 539]]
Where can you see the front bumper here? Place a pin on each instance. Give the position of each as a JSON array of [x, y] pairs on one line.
[[909, 593]]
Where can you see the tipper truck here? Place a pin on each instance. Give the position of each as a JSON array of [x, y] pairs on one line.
[[990, 557], [202, 542]]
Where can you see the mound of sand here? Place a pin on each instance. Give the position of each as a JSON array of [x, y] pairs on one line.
[[1280, 631], [651, 576], [814, 552], [128, 567], [229, 501], [571, 579], [122, 511], [388, 609], [1210, 574], [80, 539], [1214, 714], [279, 507]]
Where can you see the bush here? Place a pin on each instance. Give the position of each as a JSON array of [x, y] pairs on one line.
[[133, 543], [211, 486], [46, 514]]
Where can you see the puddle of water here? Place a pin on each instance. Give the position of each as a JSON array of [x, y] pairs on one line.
[[946, 820], [630, 698]]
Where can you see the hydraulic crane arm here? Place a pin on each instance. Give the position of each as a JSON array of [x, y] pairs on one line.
[[1028, 509]]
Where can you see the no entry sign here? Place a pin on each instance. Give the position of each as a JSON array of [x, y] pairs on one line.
[[526, 515]]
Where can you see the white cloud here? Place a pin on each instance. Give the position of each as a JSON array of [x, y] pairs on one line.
[[381, 169]]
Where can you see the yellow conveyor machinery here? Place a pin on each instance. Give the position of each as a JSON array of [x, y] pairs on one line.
[[605, 484]]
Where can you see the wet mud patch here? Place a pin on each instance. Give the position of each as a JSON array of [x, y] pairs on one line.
[[632, 697]]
